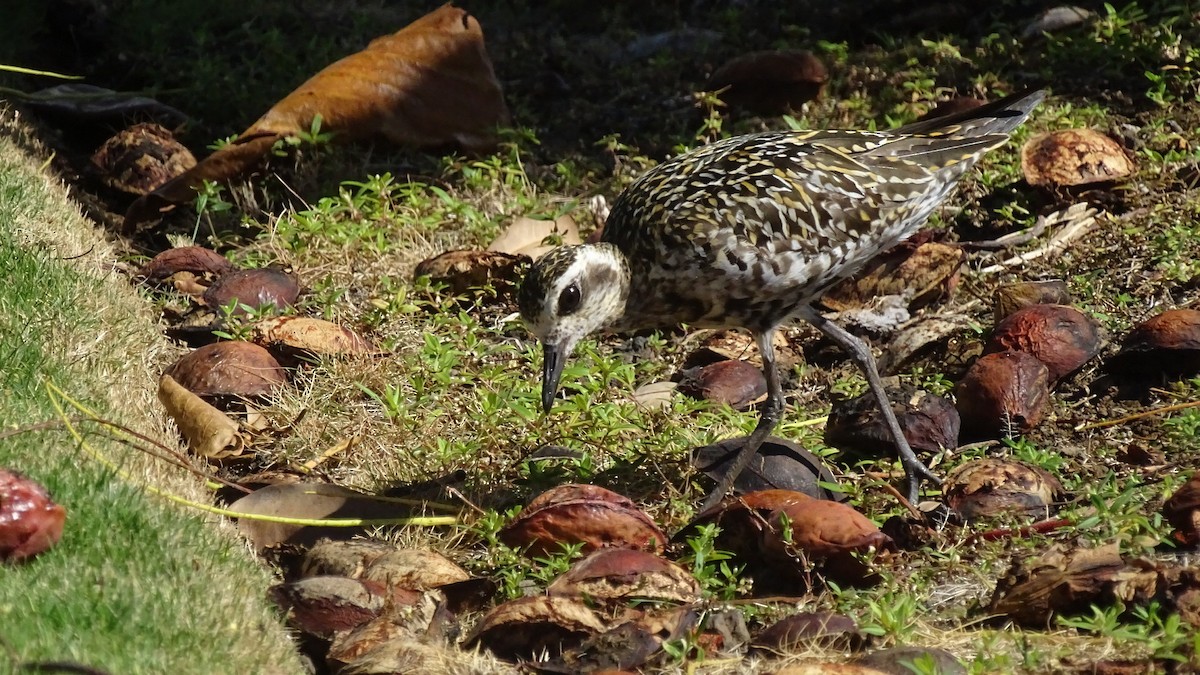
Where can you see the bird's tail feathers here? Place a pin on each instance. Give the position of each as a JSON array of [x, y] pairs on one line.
[[998, 117]]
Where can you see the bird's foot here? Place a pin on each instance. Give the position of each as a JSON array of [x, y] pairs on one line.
[[916, 472]]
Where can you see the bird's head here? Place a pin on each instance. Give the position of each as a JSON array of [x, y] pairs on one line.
[[569, 293]]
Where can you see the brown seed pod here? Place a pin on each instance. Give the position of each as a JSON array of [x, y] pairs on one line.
[[30, 522], [586, 514], [140, 158], [819, 528], [1059, 336], [254, 289], [1073, 157], [540, 625], [989, 487], [197, 260], [770, 82], [229, 369], [1011, 297], [737, 384], [1004, 393], [617, 576]]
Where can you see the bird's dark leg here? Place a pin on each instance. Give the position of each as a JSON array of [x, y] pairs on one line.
[[771, 413], [914, 469]]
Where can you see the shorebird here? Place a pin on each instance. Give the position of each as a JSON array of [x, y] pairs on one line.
[[751, 230]]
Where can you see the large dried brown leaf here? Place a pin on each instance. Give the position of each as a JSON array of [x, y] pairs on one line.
[[430, 84]]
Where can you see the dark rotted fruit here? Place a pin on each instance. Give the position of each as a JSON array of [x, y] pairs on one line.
[[1182, 511], [929, 422], [1003, 394], [586, 514], [809, 629], [229, 369], [1168, 343], [988, 487], [30, 522], [1059, 336], [324, 606], [254, 289], [779, 464], [770, 82], [734, 383]]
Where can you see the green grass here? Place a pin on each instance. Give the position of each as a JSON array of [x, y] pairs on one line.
[[137, 585]]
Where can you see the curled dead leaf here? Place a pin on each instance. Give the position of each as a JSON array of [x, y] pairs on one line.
[[532, 237], [464, 271], [308, 501], [921, 274], [199, 261], [416, 569], [208, 431]]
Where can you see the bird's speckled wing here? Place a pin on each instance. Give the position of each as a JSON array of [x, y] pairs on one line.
[[765, 215]]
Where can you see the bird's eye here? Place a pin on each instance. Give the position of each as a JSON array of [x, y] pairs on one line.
[[568, 302]]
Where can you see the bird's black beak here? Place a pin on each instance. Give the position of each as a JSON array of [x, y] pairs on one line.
[[552, 366]]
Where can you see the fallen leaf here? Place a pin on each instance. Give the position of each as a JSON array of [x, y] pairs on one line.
[[308, 501], [208, 431], [430, 84], [532, 237]]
